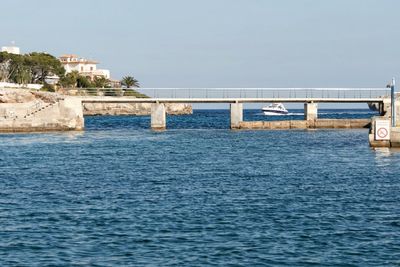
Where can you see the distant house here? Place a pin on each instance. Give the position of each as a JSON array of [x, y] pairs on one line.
[[10, 49], [85, 67]]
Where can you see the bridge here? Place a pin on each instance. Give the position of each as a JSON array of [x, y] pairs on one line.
[[236, 97]]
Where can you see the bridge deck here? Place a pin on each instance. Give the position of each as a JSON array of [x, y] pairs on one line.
[[105, 99]]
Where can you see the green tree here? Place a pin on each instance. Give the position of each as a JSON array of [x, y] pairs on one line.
[[22, 75], [5, 66], [130, 81], [19, 70], [34, 67], [4, 56], [43, 65], [83, 82], [12, 67], [69, 80]]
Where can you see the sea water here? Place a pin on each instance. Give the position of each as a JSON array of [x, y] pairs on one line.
[[198, 194]]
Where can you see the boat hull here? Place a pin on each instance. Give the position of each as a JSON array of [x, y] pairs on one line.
[[275, 112]]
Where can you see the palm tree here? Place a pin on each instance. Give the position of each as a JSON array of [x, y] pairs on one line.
[[130, 81], [101, 82]]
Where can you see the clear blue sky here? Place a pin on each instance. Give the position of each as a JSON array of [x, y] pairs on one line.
[[218, 43]]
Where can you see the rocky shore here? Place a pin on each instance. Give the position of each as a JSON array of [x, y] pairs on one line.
[[139, 109]]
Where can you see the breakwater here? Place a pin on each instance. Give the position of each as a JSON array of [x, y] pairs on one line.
[[304, 124]]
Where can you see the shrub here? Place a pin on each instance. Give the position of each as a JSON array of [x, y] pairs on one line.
[[131, 92], [48, 88]]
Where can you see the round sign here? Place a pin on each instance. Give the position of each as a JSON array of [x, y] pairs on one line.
[[382, 132]]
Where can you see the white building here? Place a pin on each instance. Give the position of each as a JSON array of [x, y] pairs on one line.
[[10, 49], [85, 67]]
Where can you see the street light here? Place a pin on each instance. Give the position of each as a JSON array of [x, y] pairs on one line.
[[393, 101]]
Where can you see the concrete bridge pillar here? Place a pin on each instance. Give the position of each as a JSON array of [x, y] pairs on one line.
[[71, 111], [236, 115], [310, 111], [385, 108], [158, 116]]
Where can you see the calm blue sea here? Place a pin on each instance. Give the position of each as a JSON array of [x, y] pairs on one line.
[[198, 194]]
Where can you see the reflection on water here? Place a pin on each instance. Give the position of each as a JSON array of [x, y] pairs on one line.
[[385, 156], [22, 139]]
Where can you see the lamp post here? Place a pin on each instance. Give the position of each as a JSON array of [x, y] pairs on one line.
[[393, 101]]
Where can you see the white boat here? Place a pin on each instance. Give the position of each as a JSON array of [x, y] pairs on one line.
[[275, 109]]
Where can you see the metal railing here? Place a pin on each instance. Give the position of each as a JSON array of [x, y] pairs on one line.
[[338, 93], [265, 92], [10, 114], [114, 92], [35, 106]]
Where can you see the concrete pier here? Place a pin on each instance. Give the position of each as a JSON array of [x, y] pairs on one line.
[[158, 116], [303, 124], [236, 115], [382, 133], [310, 111]]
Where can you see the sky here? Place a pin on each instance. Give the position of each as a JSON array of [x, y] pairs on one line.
[[218, 43]]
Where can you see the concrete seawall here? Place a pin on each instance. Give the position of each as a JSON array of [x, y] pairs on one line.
[[303, 124], [34, 111], [392, 136], [63, 115], [26, 111]]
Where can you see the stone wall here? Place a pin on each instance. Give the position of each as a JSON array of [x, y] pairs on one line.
[[132, 109]]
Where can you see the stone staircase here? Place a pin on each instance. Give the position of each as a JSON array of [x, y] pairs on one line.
[[37, 107]]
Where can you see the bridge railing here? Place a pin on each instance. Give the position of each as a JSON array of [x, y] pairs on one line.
[[265, 92], [337, 93], [114, 92]]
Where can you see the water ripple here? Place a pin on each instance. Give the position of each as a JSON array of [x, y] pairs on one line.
[[197, 195]]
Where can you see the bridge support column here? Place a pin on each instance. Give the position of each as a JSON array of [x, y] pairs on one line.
[[236, 115], [310, 111], [158, 116], [385, 107]]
